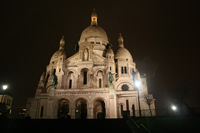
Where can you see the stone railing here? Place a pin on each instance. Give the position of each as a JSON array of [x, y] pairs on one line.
[[134, 127]]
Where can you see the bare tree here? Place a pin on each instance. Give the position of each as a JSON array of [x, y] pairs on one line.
[[148, 99]]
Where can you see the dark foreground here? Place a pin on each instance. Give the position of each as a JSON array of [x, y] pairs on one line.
[[65, 126], [172, 124]]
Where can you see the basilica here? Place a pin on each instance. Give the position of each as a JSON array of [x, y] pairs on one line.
[[94, 83]]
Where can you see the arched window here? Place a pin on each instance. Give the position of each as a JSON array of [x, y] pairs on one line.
[[69, 79], [100, 79], [133, 109], [125, 70], [41, 111], [85, 78], [122, 109], [100, 83], [70, 83], [127, 105], [122, 70]]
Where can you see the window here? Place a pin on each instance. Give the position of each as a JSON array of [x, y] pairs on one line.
[[110, 68], [125, 70], [122, 70], [116, 70], [98, 43], [121, 109], [125, 87], [84, 78], [133, 109], [59, 69], [70, 83], [100, 83], [41, 112], [92, 42], [127, 105]]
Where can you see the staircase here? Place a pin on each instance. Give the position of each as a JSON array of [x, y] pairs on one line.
[[62, 126]]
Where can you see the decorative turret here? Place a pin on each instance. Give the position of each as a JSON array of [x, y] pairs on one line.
[[122, 53], [121, 41], [62, 43], [94, 18], [42, 77], [59, 53], [109, 53]]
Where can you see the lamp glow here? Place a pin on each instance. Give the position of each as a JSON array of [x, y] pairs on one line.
[[174, 108], [4, 87], [137, 83]]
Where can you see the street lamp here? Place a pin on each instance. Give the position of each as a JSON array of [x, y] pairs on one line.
[[173, 107], [4, 87], [137, 84]]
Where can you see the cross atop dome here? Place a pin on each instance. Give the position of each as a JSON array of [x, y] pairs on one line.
[[94, 18]]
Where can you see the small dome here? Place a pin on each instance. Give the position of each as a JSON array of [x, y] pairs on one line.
[[94, 31], [109, 51], [60, 52], [123, 54]]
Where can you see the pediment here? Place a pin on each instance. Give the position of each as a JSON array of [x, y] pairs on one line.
[[73, 58]]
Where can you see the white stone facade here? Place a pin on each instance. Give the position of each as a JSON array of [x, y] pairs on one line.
[[84, 87]]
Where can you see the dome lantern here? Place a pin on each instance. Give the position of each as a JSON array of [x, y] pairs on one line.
[[93, 31], [94, 18]]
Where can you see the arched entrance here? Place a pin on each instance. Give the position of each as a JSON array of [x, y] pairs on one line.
[[63, 108], [81, 109], [99, 109]]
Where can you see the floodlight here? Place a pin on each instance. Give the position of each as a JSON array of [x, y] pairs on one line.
[[4, 87]]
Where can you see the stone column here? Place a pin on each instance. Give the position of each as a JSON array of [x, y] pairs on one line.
[[112, 100], [50, 109], [73, 113], [107, 113], [90, 113]]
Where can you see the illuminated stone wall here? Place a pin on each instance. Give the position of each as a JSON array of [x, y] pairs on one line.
[[84, 87]]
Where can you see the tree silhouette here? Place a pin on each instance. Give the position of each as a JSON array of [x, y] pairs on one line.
[[148, 100]]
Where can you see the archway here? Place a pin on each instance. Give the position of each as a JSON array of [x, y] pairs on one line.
[[81, 109], [99, 109], [63, 108]]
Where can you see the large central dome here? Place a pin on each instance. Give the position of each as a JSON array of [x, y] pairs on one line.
[[94, 31]]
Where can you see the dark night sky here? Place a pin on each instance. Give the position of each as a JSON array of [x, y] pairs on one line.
[[161, 35]]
